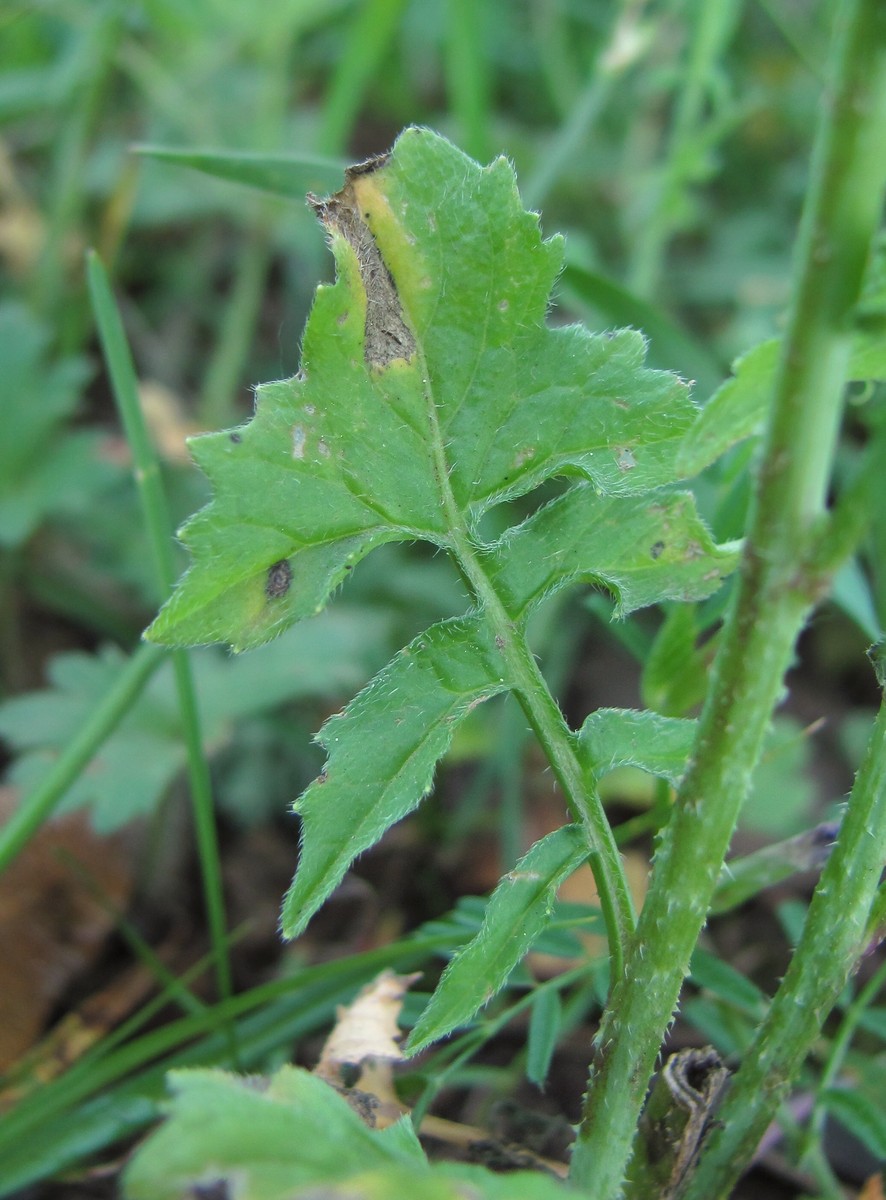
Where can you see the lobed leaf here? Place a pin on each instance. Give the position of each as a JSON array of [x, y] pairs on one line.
[[383, 750], [429, 379], [621, 737], [643, 550], [45, 467], [135, 766], [431, 389], [291, 1135], [516, 913], [270, 1135]]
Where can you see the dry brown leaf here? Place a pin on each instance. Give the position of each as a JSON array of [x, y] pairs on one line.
[[51, 927], [367, 1028], [167, 421], [872, 1188]]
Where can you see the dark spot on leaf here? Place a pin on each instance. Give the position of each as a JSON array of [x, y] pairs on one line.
[[279, 579], [216, 1190], [657, 549], [236, 438]]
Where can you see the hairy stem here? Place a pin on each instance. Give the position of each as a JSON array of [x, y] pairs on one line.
[[543, 714], [833, 939], [774, 595]]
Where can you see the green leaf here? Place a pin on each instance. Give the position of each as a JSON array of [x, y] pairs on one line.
[[44, 467], [735, 411], [675, 674], [641, 550], [782, 791], [431, 389], [738, 407], [290, 1136], [708, 971], [327, 656], [544, 1029], [270, 1135], [382, 753], [670, 346], [620, 737], [289, 175], [860, 1116], [517, 912]]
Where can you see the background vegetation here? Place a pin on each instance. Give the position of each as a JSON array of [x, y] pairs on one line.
[[670, 142]]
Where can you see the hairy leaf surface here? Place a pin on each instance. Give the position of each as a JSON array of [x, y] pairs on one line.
[[383, 750], [291, 1135], [517, 912], [432, 388]]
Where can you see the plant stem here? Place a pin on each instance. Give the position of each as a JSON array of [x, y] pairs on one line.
[[774, 594], [159, 526], [833, 939], [544, 715], [103, 719]]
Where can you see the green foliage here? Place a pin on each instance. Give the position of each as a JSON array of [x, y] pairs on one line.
[[137, 763], [282, 1137], [426, 397], [44, 468], [517, 912]]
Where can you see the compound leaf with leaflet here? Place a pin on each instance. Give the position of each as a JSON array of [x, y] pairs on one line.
[[433, 388]]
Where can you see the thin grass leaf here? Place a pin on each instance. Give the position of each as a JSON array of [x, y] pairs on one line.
[[288, 175], [860, 1116], [545, 1022]]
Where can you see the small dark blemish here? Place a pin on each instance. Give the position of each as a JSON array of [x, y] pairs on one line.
[[217, 1189], [657, 549], [348, 567], [279, 579], [236, 438]]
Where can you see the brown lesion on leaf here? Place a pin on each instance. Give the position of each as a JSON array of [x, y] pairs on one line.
[[278, 580], [387, 336]]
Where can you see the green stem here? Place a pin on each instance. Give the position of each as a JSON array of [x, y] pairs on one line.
[[559, 745], [773, 598], [543, 714], [159, 526], [834, 937], [103, 719]]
